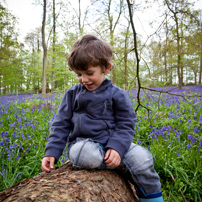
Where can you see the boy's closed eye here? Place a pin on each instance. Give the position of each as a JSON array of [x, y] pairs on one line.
[[89, 73]]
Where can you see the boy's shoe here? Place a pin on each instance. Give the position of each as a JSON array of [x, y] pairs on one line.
[[160, 199], [156, 197]]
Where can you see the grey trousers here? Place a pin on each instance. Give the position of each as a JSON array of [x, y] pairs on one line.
[[86, 154]]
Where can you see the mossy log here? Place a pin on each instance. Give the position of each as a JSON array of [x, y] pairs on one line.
[[67, 184]]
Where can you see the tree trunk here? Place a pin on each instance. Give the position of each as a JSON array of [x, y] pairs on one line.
[[44, 50], [200, 71], [136, 55], [126, 57], [67, 184], [54, 36], [166, 50], [179, 69], [178, 38], [112, 28], [80, 31]]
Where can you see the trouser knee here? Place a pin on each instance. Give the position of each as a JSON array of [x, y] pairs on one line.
[[86, 154], [139, 162]]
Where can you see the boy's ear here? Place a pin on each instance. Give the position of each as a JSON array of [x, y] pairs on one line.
[[108, 69]]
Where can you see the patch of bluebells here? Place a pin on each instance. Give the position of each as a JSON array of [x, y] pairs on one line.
[[163, 131], [176, 113], [193, 141], [22, 124], [178, 126]]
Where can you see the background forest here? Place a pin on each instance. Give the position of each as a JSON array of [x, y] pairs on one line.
[[169, 49]]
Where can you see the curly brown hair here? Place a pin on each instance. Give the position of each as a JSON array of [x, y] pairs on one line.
[[90, 50]]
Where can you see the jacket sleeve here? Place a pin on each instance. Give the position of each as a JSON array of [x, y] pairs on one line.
[[125, 119], [60, 129]]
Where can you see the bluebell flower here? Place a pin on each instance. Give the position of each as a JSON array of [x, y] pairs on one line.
[[194, 139], [19, 174], [2, 143], [178, 152], [6, 134], [195, 129], [189, 136], [177, 134], [13, 146], [7, 140], [188, 146], [3, 172], [189, 121], [18, 157], [23, 137]]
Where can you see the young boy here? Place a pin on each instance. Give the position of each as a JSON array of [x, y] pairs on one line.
[[96, 120]]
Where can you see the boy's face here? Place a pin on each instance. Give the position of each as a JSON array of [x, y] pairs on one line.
[[93, 77]]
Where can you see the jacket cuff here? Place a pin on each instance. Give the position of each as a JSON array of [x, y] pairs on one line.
[[54, 153], [117, 146]]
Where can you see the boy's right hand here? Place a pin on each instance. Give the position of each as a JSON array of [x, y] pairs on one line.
[[48, 163]]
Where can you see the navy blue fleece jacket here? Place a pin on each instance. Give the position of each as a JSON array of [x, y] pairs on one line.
[[105, 115]]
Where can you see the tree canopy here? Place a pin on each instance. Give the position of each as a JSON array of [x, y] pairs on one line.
[[170, 54]]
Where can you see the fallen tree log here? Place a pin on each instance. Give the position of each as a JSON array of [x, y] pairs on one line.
[[67, 184]]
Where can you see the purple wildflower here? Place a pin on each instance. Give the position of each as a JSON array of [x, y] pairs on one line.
[[19, 174], [188, 146], [177, 134], [195, 129], [18, 157], [178, 152], [3, 172], [190, 136], [190, 121], [23, 137], [2, 143]]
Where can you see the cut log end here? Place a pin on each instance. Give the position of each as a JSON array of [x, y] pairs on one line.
[[66, 184]]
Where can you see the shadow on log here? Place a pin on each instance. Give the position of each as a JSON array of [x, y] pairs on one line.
[[66, 184]]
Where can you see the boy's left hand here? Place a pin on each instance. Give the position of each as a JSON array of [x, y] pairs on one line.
[[112, 158]]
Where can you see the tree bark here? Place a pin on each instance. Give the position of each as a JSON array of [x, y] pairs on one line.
[[178, 38], [136, 55], [54, 38], [112, 28], [200, 71], [66, 184], [44, 50], [126, 57]]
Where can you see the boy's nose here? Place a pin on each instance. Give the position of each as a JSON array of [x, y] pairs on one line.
[[84, 79]]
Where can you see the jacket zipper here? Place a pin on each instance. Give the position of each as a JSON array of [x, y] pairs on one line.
[[79, 123], [100, 104], [107, 125], [79, 118]]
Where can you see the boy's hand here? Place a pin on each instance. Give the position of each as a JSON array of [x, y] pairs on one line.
[[112, 158], [48, 163]]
